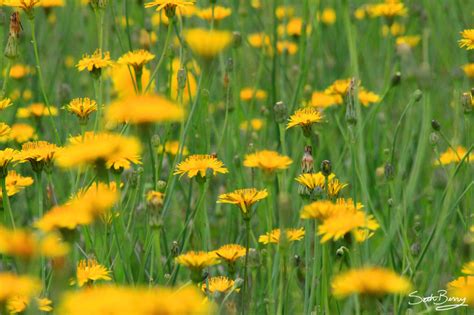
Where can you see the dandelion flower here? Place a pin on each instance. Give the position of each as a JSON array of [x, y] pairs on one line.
[[15, 183], [144, 109], [13, 285], [215, 13], [230, 252], [317, 181], [4, 130], [95, 63], [449, 156], [207, 44], [305, 117], [172, 147], [243, 198], [200, 164], [259, 40], [155, 198], [19, 303], [40, 154], [169, 4], [467, 68], [467, 40], [26, 5], [218, 284], [462, 287], [287, 47], [468, 268], [247, 94], [388, 9], [20, 133], [252, 125], [197, 260], [124, 80], [82, 108], [136, 59], [89, 270], [6, 157], [274, 236], [113, 150], [19, 71], [5, 103], [37, 110], [328, 16], [367, 97], [324, 100], [369, 281], [269, 161]]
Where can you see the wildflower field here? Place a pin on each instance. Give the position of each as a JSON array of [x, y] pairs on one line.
[[236, 157]]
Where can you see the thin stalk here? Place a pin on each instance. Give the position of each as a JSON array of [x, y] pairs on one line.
[[6, 201], [246, 298]]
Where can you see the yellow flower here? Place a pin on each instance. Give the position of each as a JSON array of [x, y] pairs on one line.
[[5, 130], [27, 245], [369, 281], [207, 44], [123, 80], [230, 252], [410, 41], [295, 27], [387, 9], [114, 150], [255, 125], [248, 93], [462, 287], [6, 157], [20, 133], [328, 16], [217, 13], [323, 209], [395, 29], [367, 97], [89, 270], [169, 4], [199, 164], [343, 221], [267, 160], [304, 117], [243, 198], [155, 198], [19, 303], [4, 103], [283, 12], [339, 87], [467, 68], [13, 285], [274, 236], [144, 109], [323, 100], [359, 13], [136, 59], [467, 39], [24, 4], [218, 284], [317, 181], [82, 209], [197, 260], [468, 268], [40, 154], [82, 108], [114, 300], [52, 3], [37, 110], [450, 156], [258, 40], [19, 71], [15, 182], [95, 62], [172, 147], [287, 47]]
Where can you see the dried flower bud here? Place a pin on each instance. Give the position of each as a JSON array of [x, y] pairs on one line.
[[307, 162], [389, 172], [466, 102], [281, 112], [434, 138]]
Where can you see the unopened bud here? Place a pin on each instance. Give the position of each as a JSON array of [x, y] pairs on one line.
[[434, 138], [466, 102], [281, 112], [326, 168], [307, 163], [418, 94], [396, 79], [389, 171], [161, 185], [156, 141], [236, 39], [435, 125], [181, 77]]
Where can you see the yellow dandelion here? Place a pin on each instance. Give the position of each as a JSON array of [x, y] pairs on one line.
[[6, 157], [37, 110], [19, 71], [230, 252], [13, 285], [26, 5], [82, 108], [136, 59], [268, 161], [316, 182], [462, 287], [387, 9], [19, 303], [169, 4], [450, 156], [304, 117], [467, 68], [324, 100], [5, 130], [200, 164], [144, 109], [216, 13], [339, 87], [124, 80], [94, 63], [274, 236], [172, 147], [287, 47], [40, 154], [284, 12], [207, 44], [15, 182], [197, 260], [328, 16], [323, 209], [369, 281], [5, 103], [252, 125], [89, 270], [113, 150], [468, 268], [367, 97], [218, 284], [20, 133], [259, 40], [467, 40], [248, 94], [243, 198], [155, 198]]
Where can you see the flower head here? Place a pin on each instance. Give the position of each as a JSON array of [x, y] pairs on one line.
[[170, 6], [269, 161], [467, 68], [172, 147], [367, 97], [462, 287], [40, 154], [95, 63], [136, 59], [230, 252], [197, 260], [37, 110], [89, 271], [324, 100], [19, 303], [369, 281], [6, 157], [305, 118], [467, 40], [247, 94], [389, 9], [155, 198], [468, 268], [4, 103], [316, 183], [243, 198], [450, 156], [20, 133], [218, 284], [274, 236], [4, 130], [15, 183], [200, 164], [207, 44], [215, 13], [144, 109], [82, 108], [13, 285], [113, 150]]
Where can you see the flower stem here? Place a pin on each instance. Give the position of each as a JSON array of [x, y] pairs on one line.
[[6, 201], [245, 289]]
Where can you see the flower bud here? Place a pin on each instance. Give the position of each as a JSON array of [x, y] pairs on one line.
[[236, 39], [396, 79], [466, 102], [182, 78], [434, 138], [435, 125], [326, 168], [389, 172], [11, 50], [418, 94], [307, 163], [281, 112]]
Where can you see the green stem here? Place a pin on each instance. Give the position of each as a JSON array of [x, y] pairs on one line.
[[6, 201], [7, 77], [246, 298]]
